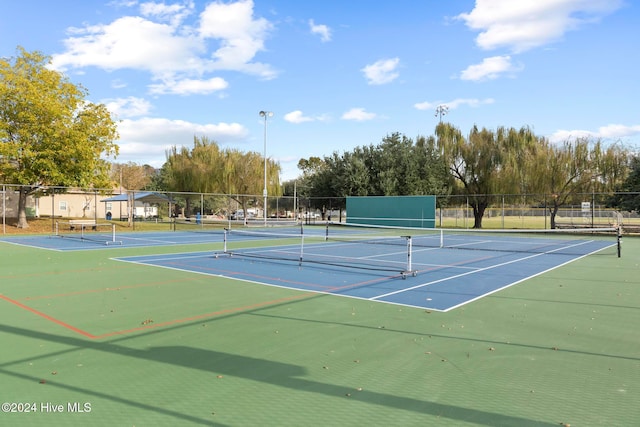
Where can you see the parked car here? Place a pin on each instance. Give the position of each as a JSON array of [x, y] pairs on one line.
[[311, 215], [239, 214]]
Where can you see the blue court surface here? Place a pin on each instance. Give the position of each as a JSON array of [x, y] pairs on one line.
[[93, 241], [422, 275], [425, 271]]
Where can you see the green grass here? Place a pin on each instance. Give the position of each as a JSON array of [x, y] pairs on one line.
[[169, 348]]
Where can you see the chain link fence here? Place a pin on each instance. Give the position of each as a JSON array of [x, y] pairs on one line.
[[503, 211]]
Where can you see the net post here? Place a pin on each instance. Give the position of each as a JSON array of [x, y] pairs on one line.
[[224, 238], [56, 231], [441, 238], [113, 233], [82, 231], [301, 246], [619, 240], [409, 250]]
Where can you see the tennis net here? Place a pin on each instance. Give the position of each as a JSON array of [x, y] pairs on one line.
[[217, 226], [87, 231], [391, 250], [308, 245], [198, 226], [576, 241]]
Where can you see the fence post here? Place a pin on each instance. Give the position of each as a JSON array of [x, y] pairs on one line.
[[4, 209]]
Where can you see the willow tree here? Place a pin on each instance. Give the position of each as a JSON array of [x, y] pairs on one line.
[[564, 171], [50, 135], [206, 168], [475, 162]]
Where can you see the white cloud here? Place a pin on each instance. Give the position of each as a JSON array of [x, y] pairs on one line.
[[470, 102], [189, 86], [381, 72], [525, 24], [455, 103], [175, 131], [426, 105], [490, 68], [618, 131], [358, 115], [131, 42], [299, 117], [128, 107], [173, 13], [160, 43], [240, 36], [122, 3], [146, 140], [613, 131], [322, 30]]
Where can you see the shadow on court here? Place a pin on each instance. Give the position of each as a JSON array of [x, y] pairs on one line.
[[254, 369]]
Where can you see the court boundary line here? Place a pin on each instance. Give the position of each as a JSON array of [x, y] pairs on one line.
[[70, 327], [230, 274], [281, 286], [492, 267], [160, 258], [48, 317]]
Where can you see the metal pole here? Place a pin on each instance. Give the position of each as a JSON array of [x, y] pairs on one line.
[[264, 188], [503, 211], [4, 209], [265, 115], [593, 203], [53, 209], [441, 110]]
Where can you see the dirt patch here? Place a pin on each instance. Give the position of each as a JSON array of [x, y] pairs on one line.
[[36, 226]]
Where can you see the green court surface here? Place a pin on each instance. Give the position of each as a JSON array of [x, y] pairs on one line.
[[87, 340]]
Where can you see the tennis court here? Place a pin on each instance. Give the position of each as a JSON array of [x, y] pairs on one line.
[[536, 332], [393, 268]]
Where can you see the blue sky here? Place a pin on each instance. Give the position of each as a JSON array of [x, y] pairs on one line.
[[339, 74]]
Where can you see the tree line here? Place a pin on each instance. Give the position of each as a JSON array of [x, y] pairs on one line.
[[480, 165]]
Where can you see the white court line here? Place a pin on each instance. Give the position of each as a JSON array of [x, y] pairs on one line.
[[490, 268]]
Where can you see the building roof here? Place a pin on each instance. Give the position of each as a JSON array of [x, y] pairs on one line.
[[145, 197]]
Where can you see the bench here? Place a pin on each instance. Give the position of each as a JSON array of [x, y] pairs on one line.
[[82, 222]]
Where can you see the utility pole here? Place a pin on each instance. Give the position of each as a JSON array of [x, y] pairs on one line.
[[441, 110]]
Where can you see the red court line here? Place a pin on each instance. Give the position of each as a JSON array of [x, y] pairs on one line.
[[49, 318], [158, 325]]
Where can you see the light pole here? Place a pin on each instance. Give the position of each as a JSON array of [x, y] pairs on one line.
[[265, 115], [441, 110]]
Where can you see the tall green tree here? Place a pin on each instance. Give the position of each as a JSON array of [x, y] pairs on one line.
[[50, 135], [206, 168], [565, 172], [627, 196], [396, 166], [474, 162]]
